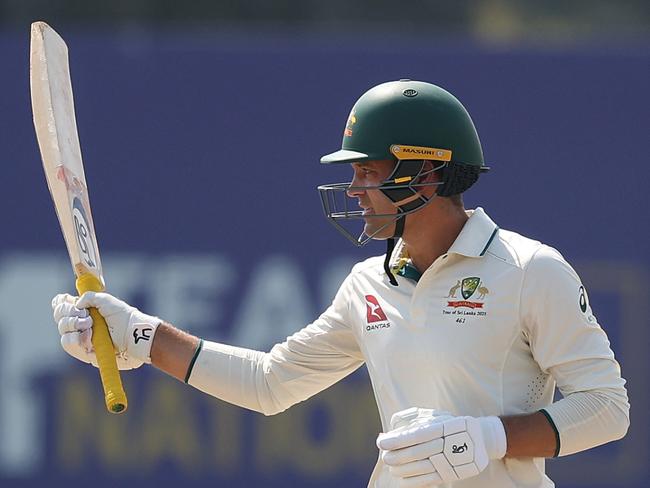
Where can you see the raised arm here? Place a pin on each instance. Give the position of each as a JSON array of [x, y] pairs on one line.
[[304, 364]]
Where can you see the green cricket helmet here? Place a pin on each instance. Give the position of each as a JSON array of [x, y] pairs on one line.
[[408, 122]]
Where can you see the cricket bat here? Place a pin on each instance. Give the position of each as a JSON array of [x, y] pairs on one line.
[[56, 131]]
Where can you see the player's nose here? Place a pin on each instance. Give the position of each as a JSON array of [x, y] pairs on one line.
[[355, 190]]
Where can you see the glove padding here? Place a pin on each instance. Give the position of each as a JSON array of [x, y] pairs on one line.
[[131, 331], [430, 447]]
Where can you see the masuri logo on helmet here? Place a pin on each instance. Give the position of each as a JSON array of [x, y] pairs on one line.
[[415, 152]]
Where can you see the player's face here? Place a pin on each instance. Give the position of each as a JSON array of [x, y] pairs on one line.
[[373, 201]]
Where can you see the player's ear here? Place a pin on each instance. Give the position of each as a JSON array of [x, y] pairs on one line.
[[428, 173], [428, 178]]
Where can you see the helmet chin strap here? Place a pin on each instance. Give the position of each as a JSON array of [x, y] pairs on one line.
[[408, 203], [390, 246]]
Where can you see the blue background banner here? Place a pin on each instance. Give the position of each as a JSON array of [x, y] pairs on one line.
[[201, 155]]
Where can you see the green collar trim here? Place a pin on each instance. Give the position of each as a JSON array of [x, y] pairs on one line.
[[409, 271], [494, 233]]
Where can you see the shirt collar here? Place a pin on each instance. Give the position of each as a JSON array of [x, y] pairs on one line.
[[473, 241], [476, 235]]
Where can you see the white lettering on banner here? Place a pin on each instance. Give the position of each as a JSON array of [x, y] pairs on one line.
[[186, 289], [275, 305], [124, 274], [332, 277], [29, 347]]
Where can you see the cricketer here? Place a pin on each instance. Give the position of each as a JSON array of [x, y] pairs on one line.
[[466, 329]]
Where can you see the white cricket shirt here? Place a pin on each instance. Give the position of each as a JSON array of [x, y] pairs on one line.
[[489, 329]]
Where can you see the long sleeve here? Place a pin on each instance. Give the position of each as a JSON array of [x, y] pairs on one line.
[[567, 342], [306, 363]]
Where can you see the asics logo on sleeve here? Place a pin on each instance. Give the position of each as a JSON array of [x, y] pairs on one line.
[[141, 334]]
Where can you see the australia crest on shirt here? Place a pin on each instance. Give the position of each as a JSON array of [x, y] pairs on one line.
[[466, 298]]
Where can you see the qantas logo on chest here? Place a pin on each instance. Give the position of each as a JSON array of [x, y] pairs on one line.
[[375, 315], [374, 312]]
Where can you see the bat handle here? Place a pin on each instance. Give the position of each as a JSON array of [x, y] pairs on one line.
[[114, 394]]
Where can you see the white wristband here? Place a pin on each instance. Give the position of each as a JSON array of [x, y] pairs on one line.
[[140, 333], [494, 436]]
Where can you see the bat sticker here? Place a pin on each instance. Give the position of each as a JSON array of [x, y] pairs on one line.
[[82, 231]]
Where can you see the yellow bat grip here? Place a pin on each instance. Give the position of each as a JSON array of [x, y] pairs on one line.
[[114, 394]]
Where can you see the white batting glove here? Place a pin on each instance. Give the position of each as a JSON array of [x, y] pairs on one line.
[[415, 415], [440, 448], [131, 331]]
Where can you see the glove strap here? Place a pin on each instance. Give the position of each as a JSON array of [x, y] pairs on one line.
[[494, 436], [140, 334]]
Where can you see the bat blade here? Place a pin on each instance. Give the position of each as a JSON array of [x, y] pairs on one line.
[[56, 130]]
